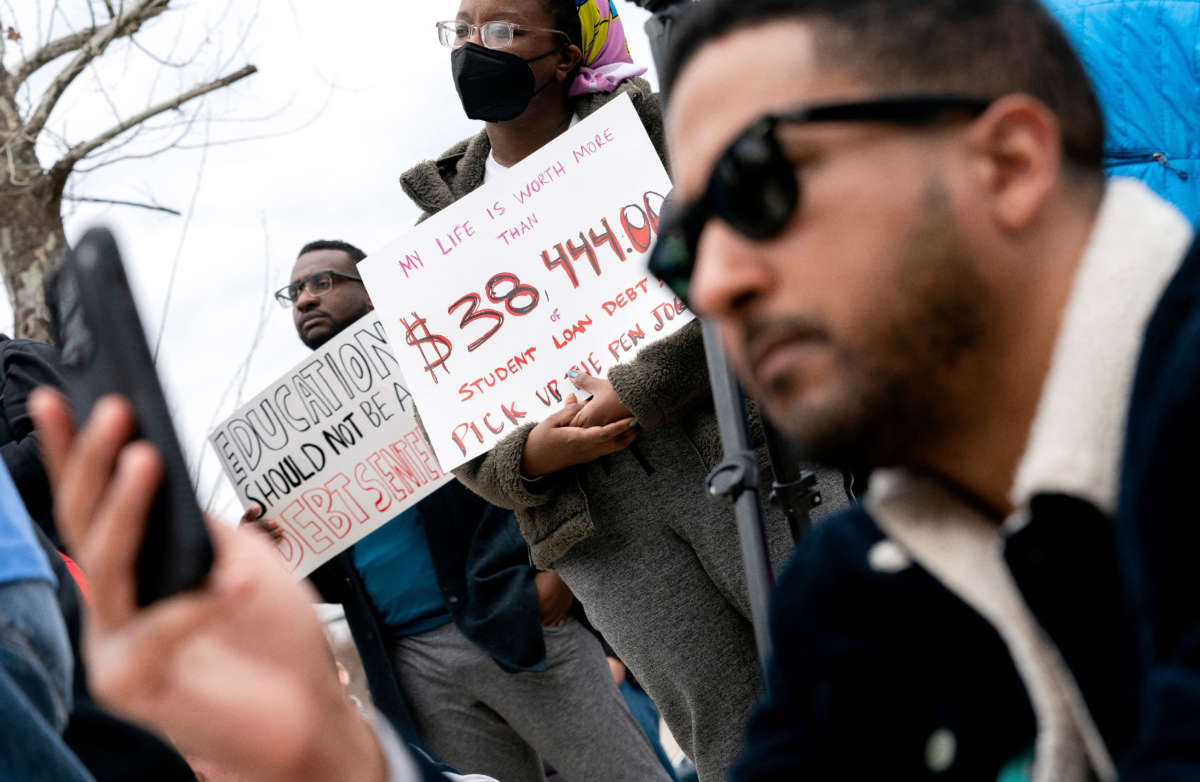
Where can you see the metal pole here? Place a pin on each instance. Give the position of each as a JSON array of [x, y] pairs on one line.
[[735, 479], [794, 490]]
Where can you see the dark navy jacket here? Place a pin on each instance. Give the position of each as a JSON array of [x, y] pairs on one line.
[[876, 674], [1158, 534], [483, 569], [871, 667], [1123, 608]]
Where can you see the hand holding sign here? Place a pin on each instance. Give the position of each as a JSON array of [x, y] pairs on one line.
[[603, 408], [555, 444], [254, 518], [331, 451]]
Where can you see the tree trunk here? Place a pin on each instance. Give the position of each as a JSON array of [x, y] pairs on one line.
[[31, 239]]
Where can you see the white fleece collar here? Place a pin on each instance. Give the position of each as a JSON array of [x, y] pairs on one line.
[[1074, 447], [961, 548], [1078, 432]]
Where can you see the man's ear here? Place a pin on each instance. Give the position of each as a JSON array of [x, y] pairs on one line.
[[1017, 146], [568, 61]]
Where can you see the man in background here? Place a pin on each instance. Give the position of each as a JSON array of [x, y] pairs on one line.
[[452, 623]]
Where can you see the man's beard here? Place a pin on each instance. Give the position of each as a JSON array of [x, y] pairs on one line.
[[895, 391], [335, 327]]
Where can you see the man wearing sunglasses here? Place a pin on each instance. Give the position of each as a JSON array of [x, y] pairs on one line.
[[897, 215], [467, 649]]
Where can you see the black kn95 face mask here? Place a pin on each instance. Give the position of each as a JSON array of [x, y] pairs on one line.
[[493, 85]]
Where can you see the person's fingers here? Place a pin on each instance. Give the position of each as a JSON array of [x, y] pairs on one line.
[[85, 471], [563, 417], [619, 428], [624, 440], [255, 518], [596, 435], [590, 415], [587, 414], [586, 382], [603, 440], [254, 513], [108, 553], [55, 426], [139, 657]]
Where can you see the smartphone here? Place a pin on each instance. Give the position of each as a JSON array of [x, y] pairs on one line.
[[104, 351]]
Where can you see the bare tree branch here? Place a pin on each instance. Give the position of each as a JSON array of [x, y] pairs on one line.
[[163, 61], [55, 10], [242, 373], [82, 149], [127, 21], [243, 139], [98, 163], [48, 53], [187, 222], [119, 202], [8, 104]]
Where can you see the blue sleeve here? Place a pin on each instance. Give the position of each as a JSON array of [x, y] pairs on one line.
[[21, 557]]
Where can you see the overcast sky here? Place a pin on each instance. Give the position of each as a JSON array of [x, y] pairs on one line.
[[348, 95]]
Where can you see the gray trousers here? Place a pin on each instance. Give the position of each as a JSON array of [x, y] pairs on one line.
[[480, 719], [662, 579]]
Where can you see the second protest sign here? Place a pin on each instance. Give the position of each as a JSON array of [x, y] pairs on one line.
[[332, 450]]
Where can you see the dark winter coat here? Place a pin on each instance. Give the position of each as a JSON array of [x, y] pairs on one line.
[[886, 667], [26, 364]]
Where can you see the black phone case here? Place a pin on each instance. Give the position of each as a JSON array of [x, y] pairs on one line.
[[104, 351]]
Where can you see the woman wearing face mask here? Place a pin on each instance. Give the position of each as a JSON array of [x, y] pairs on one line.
[[655, 563]]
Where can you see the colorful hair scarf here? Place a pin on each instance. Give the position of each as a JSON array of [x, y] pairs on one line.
[[606, 59]]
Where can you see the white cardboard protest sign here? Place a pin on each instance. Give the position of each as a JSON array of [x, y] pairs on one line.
[[332, 449], [492, 301]]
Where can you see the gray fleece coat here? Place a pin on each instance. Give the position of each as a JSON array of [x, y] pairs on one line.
[[653, 560]]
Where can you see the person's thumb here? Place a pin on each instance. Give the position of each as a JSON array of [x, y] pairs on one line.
[[584, 381]]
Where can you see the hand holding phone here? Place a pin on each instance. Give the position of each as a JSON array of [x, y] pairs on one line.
[[104, 351], [237, 671]]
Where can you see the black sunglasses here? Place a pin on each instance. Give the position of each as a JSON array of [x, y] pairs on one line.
[[753, 186]]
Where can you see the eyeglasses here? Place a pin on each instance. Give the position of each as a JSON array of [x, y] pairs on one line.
[[316, 284], [753, 186], [495, 35]]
